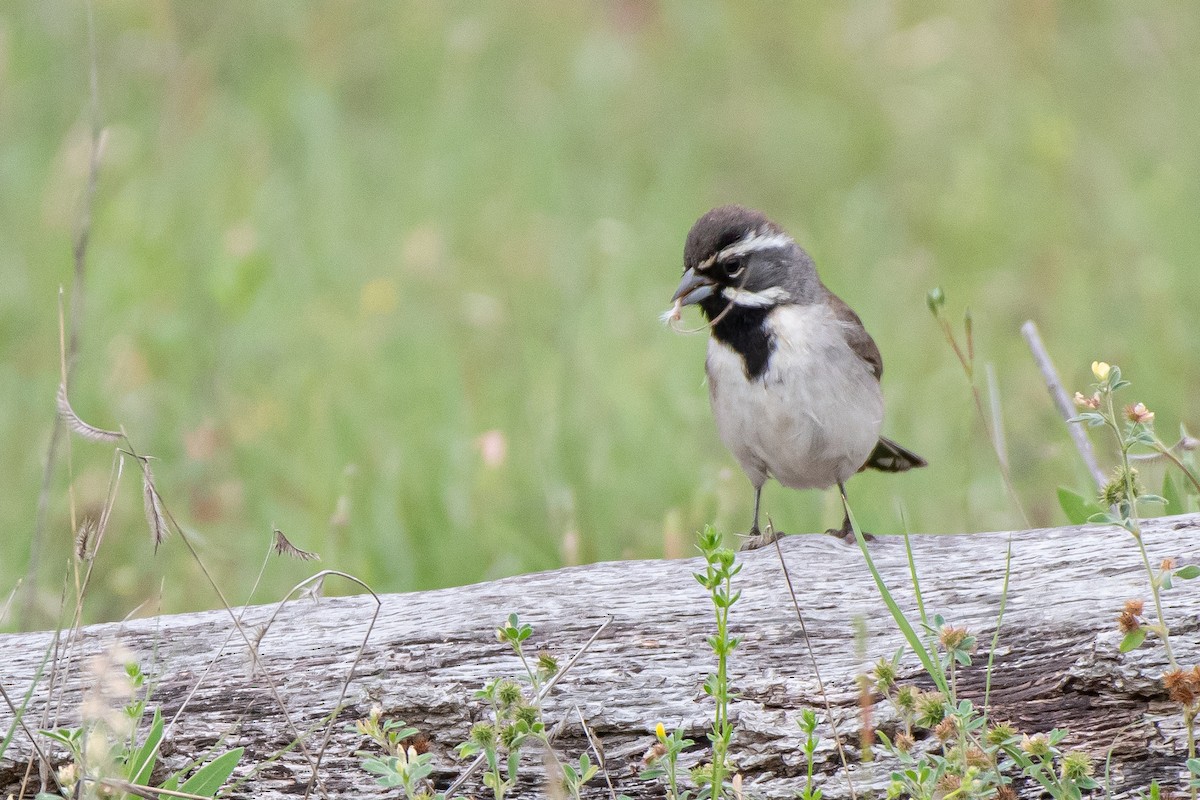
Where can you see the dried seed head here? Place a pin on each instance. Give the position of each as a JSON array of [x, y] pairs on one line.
[[949, 783], [85, 539], [283, 547], [904, 742], [906, 697], [945, 729], [656, 751], [1135, 607], [1168, 564], [976, 757], [155, 517], [1006, 792], [952, 638], [1128, 623], [78, 426], [417, 743], [1183, 686]]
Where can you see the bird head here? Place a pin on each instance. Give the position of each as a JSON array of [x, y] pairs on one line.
[[735, 255]]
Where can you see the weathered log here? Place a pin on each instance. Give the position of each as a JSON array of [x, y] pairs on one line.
[[1058, 663]]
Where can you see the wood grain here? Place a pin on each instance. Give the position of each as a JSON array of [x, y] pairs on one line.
[[1058, 664]]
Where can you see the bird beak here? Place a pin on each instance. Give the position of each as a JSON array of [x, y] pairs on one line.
[[693, 288]]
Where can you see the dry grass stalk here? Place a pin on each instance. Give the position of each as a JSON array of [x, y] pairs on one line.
[[77, 425]]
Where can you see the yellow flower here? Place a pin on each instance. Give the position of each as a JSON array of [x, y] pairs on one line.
[[1101, 370], [660, 731]]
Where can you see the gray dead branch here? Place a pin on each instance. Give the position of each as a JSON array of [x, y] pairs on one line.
[[1058, 664]]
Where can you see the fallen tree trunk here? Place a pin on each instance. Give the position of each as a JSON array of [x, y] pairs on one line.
[[1057, 665]]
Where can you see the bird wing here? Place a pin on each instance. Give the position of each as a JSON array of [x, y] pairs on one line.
[[856, 335]]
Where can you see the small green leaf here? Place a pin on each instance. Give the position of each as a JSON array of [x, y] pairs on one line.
[[1133, 640], [1188, 572], [1078, 508], [209, 779], [141, 764]]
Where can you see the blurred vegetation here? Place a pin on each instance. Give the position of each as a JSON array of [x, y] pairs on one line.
[[387, 275]]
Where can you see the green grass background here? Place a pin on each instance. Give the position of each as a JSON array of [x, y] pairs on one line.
[[335, 243]]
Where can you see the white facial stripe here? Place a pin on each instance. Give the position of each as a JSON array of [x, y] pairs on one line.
[[767, 297], [755, 242]]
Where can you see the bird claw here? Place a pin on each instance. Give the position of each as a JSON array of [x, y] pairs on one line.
[[846, 533], [756, 538]]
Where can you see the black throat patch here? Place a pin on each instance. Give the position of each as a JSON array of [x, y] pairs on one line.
[[743, 329]]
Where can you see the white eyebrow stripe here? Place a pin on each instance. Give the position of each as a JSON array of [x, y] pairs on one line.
[[754, 243], [747, 299]]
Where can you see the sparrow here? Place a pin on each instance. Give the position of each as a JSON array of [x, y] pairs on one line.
[[793, 376]]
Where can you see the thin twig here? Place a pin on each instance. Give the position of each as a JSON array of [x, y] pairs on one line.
[[999, 441], [272, 687], [362, 648], [149, 792], [1062, 401], [837, 738], [600, 760], [20, 718], [79, 251]]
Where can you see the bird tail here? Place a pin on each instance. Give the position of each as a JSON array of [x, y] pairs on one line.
[[891, 457]]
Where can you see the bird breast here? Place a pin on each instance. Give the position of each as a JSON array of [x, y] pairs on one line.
[[811, 419]]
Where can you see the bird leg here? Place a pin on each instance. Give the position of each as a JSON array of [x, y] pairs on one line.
[[846, 532], [756, 538]]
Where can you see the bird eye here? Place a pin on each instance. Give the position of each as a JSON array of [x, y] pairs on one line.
[[734, 268]]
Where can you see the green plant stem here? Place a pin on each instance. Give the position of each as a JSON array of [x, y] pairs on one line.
[[533, 681], [932, 665], [1189, 725], [967, 360], [721, 723], [1166, 451], [987, 685], [912, 571], [1135, 525], [1163, 631]]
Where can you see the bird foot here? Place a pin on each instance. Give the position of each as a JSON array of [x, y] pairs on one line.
[[846, 533], [756, 538]]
